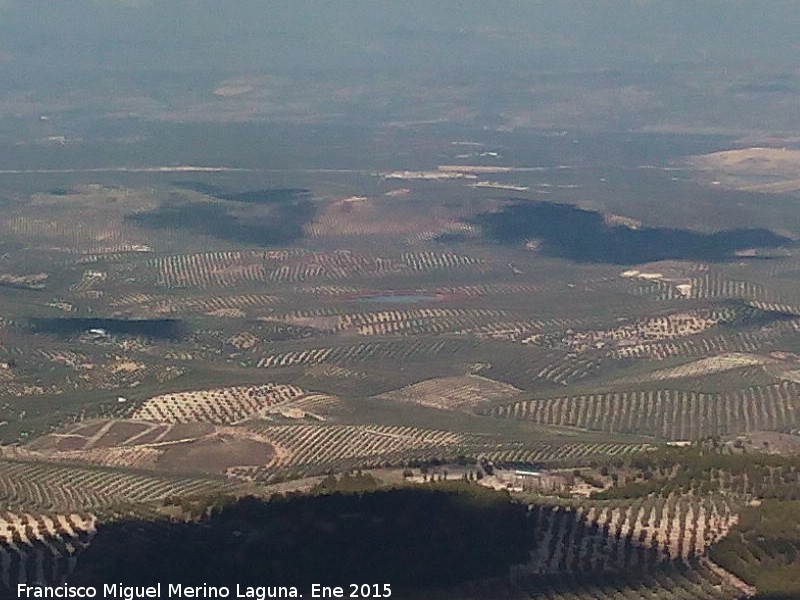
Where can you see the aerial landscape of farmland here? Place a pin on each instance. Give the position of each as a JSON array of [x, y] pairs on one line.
[[335, 322]]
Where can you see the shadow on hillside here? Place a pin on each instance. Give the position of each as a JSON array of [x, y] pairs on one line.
[[565, 231], [405, 537], [149, 328], [261, 217], [421, 538]]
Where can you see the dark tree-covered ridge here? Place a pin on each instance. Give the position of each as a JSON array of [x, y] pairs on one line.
[[582, 235], [406, 537]]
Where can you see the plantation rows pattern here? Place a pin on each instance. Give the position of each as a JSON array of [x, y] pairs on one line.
[[741, 341], [529, 454], [321, 444], [71, 231], [717, 286], [394, 322], [670, 414], [421, 321], [595, 537], [776, 268], [317, 404], [780, 307], [218, 406], [664, 327], [569, 370], [335, 372], [113, 252], [39, 486], [758, 295], [41, 548], [707, 366], [329, 290], [532, 368], [90, 259], [64, 357], [137, 457], [207, 269], [523, 330], [337, 223], [88, 281], [361, 352], [430, 261], [335, 267], [134, 299], [230, 268]]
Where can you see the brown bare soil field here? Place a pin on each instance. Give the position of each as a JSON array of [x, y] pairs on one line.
[[182, 431], [185, 447], [60, 443], [117, 433], [215, 455], [88, 429]]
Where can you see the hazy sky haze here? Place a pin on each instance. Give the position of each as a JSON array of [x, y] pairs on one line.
[[264, 35]]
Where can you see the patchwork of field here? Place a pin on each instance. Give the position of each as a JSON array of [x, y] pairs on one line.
[[164, 342], [199, 328]]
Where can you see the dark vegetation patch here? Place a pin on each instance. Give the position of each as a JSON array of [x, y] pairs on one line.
[[764, 549], [683, 470], [417, 537], [745, 315], [583, 236], [150, 328], [281, 224]]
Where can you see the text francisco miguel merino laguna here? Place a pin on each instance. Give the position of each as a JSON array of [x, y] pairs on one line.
[[177, 590]]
